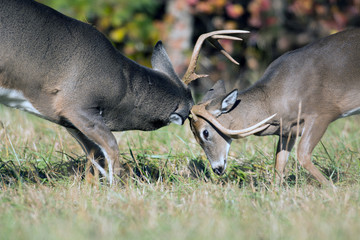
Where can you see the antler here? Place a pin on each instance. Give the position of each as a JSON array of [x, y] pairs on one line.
[[200, 111], [190, 74]]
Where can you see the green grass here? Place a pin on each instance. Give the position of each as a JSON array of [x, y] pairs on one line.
[[169, 191]]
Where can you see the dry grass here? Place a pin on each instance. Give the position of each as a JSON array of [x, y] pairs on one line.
[[178, 211], [169, 191]]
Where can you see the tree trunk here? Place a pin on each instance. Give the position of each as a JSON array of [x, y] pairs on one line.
[[180, 31]]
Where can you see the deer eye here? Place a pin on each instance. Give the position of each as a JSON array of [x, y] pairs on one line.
[[206, 134]]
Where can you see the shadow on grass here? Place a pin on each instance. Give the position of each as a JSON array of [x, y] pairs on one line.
[[169, 169], [139, 168], [151, 169], [198, 169], [40, 170]]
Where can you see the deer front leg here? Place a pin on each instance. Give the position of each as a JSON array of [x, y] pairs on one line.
[[314, 130], [93, 154], [284, 147], [93, 135]]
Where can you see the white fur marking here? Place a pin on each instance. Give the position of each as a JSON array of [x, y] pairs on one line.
[[229, 100], [175, 118], [227, 148], [228, 144], [15, 99], [97, 165], [109, 165], [351, 112]]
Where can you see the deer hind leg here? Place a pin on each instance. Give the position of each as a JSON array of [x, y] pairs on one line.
[[284, 147], [93, 135], [314, 130]]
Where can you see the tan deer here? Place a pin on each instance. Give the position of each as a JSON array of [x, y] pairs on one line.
[[301, 92], [67, 72]]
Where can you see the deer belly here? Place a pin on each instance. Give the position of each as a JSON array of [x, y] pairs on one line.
[[16, 99]]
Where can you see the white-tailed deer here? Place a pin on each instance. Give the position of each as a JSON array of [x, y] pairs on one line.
[[67, 72], [302, 92]]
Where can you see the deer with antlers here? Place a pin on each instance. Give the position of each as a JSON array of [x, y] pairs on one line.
[[67, 72], [300, 94]]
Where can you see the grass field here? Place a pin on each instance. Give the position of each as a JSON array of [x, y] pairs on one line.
[[168, 190]]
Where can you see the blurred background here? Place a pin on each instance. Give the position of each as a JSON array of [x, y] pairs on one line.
[[276, 26]]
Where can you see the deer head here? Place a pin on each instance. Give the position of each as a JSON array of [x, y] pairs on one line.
[[211, 123]]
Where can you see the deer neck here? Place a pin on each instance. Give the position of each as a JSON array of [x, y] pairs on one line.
[[149, 100]]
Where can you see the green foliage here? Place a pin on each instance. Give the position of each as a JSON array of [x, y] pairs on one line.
[[131, 25]]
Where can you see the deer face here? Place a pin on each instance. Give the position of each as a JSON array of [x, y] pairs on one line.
[[215, 144], [211, 122]]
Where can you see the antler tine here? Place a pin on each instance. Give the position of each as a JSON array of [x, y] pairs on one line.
[[214, 41], [226, 37], [193, 115], [190, 74], [222, 50]]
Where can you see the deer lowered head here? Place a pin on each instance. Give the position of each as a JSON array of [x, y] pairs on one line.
[[300, 94], [212, 123]]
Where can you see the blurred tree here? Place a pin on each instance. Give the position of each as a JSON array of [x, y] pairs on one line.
[[178, 34], [133, 26], [276, 26]]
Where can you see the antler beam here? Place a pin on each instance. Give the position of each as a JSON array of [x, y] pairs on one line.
[[200, 111], [214, 36]]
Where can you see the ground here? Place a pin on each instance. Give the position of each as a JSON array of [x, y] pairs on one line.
[[168, 190]]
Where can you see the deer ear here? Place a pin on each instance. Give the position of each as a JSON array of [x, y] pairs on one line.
[[229, 101], [176, 118], [217, 90], [160, 61]]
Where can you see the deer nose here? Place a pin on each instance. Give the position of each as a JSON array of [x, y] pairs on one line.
[[219, 170]]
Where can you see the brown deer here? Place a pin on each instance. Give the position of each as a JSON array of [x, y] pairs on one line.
[[300, 94], [67, 72]]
